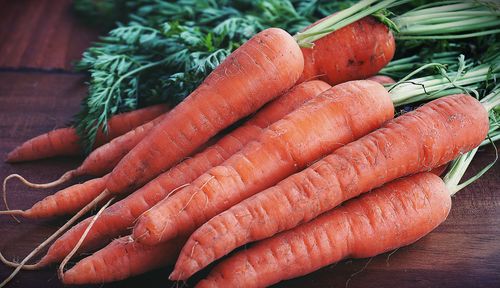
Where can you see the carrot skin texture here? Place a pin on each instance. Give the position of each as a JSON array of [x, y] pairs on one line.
[[336, 117], [121, 259], [66, 201], [389, 217], [261, 69], [105, 158], [65, 141], [356, 51], [417, 141], [119, 217]]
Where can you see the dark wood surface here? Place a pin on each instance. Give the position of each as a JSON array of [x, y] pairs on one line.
[[45, 37]]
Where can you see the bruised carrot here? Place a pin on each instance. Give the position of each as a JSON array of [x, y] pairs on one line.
[[118, 218], [356, 51], [261, 69], [389, 217], [418, 141], [338, 116], [121, 259], [65, 141]]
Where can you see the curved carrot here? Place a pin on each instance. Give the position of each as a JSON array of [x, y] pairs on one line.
[[336, 117], [121, 259], [66, 201], [356, 51], [100, 161], [118, 218], [418, 141], [65, 141], [395, 215], [261, 69]]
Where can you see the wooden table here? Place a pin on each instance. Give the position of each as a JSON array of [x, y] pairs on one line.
[[39, 91]]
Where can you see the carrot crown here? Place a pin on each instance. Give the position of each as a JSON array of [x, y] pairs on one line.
[[459, 166], [439, 20], [399, 68]]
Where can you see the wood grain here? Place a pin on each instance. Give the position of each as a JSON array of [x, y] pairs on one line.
[[42, 34], [463, 252]]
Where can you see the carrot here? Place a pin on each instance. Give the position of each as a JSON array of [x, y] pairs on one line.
[[439, 170], [392, 216], [261, 69], [418, 141], [65, 141], [100, 161], [116, 220], [66, 201], [358, 51], [382, 79], [121, 259], [130, 258], [336, 117]]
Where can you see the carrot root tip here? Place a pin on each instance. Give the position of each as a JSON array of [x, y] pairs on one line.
[[56, 234]]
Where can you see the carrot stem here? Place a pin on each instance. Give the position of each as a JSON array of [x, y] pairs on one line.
[[426, 88], [442, 20], [343, 18], [459, 166]]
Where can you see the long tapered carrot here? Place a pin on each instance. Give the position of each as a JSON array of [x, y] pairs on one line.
[[389, 217], [100, 161], [65, 141], [115, 220], [261, 69], [356, 51], [121, 259], [430, 136], [336, 117], [66, 201]]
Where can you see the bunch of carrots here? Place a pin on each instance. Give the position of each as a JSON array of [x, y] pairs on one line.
[[320, 130]]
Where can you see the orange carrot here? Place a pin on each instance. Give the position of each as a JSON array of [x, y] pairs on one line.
[[121, 259], [392, 216], [261, 69], [66, 201], [418, 141], [356, 51], [336, 117], [118, 218], [65, 141], [100, 161]]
